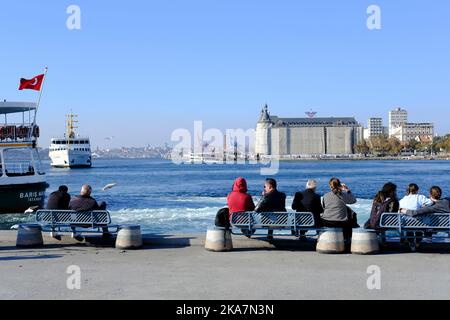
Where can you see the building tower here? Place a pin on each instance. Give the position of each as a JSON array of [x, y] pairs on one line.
[[263, 133], [397, 118]]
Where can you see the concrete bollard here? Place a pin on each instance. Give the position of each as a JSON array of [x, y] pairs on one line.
[[365, 242], [218, 239], [129, 237], [29, 236], [331, 240]]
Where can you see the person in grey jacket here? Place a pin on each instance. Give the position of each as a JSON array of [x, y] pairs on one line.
[[336, 212], [439, 205]]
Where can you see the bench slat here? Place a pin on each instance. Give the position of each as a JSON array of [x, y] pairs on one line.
[[438, 221], [273, 220], [70, 217]]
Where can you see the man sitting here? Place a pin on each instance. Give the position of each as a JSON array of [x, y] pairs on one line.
[[59, 200], [84, 202], [272, 201], [309, 201]]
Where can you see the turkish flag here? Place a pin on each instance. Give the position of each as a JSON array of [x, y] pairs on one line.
[[33, 84]]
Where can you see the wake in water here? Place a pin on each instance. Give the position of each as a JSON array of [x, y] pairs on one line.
[[187, 219]]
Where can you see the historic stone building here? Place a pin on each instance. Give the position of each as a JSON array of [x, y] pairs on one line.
[[306, 136]]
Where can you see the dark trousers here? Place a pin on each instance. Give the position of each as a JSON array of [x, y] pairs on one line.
[[346, 226]]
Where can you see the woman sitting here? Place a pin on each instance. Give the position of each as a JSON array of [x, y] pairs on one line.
[[336, 213], [385, 201]]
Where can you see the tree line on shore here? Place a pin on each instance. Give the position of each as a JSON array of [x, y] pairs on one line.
[[383, 145]]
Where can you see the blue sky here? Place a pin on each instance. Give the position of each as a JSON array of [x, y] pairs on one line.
[[137, 70]]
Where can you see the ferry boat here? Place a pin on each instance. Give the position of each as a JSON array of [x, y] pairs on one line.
[[71, 151], [22, 179]]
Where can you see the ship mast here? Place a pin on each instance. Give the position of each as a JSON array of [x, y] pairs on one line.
[[71, 127]]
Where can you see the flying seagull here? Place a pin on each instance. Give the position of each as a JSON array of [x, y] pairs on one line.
[[109, 186]]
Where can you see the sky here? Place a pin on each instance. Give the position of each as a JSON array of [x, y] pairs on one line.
[[138, 70]]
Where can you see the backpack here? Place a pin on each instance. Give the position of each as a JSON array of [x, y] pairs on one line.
[[223, 218], [377, 210]]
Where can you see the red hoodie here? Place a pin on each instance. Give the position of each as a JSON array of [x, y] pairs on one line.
[[238, 200]]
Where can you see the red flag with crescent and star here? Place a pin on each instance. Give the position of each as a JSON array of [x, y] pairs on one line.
[[33, 84]]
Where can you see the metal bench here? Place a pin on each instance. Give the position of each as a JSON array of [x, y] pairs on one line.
[[292, 221], [411, 228], [76, 222]]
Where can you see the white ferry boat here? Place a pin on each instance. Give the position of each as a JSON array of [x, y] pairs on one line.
[[71, 151], [22, 180]]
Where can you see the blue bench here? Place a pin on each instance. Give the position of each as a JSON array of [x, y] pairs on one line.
[[55, 221], [410, 228], [291, 221]]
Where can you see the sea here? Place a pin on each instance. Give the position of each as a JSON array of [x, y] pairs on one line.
[[168, 198]]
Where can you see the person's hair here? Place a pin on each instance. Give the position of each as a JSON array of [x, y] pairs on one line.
[[388, 191], [335, 185], [86, 190], [412, 189], [63, 188], [436, 192], [311, 184], [272, 182]]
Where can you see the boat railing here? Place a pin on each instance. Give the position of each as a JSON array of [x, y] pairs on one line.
[[18, 132], [20, 168]]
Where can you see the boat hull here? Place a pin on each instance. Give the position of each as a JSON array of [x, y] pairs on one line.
[[16, 198]]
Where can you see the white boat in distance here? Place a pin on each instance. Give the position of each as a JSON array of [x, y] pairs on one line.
[[71, 151]]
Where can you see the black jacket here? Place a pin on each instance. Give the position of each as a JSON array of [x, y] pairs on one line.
[[274, 201], [308, 201], [85, 203], [58, 201]]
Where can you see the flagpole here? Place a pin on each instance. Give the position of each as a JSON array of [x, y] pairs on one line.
[[39, 97], [38, 102]]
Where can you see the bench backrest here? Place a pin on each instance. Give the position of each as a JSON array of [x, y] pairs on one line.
[[272, 219], [55, 217], [426, 221]]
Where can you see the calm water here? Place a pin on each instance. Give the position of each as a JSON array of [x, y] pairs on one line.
[[164, 197]]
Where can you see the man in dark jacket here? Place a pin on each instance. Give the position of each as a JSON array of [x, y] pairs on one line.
[[309, 201], [272, 201], [84, 202], [59, 200]]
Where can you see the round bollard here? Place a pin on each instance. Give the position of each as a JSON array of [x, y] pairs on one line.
[[29, 236], [218, 239], [331, 241], [365, 242], [129, 237]]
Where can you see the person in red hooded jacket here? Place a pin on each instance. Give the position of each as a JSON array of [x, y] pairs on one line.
[[239, 200]]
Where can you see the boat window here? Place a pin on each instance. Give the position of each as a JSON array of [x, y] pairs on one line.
[[18, 162]]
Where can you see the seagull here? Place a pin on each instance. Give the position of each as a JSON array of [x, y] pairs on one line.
[[109, 186]]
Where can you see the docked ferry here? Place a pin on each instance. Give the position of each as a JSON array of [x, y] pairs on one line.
[[22, 180], [71, 151]]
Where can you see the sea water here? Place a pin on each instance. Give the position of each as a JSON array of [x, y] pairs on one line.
[[167, 198]]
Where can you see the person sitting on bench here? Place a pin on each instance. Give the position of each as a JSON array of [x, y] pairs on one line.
[[336, 213], [309, 201], [272, 201], [84, 202], [59, 200], [439, 205], [239, 200]]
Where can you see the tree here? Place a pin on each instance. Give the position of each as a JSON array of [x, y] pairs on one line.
[[362, 147], [395, 146]]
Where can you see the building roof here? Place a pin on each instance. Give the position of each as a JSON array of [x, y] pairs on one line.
[[15, 107], [314, 121]]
